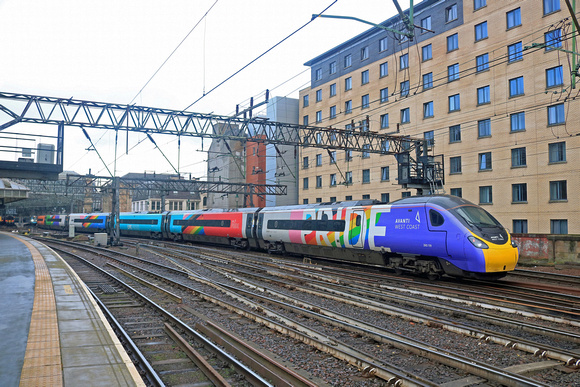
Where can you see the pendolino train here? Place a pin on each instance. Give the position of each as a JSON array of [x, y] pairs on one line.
[[430, 235]]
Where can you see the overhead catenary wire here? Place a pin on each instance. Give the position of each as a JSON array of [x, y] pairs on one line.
[[258, 57]]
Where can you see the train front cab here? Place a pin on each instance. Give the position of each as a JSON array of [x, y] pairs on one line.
[[478, 246]]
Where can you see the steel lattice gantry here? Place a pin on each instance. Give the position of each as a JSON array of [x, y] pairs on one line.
[[15, 108]]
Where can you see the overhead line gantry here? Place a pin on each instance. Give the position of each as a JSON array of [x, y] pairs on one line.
[[421, 171]]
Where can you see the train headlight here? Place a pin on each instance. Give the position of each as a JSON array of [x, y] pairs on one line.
[[514, 244], [477, 242]]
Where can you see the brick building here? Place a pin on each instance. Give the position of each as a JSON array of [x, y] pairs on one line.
[[486, 82]]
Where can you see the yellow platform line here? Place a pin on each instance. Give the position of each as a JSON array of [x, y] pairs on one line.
[[42, 361]]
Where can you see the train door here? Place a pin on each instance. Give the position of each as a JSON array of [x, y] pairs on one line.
[[356, 228]]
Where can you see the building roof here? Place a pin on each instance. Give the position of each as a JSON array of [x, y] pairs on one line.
[[391, 22]]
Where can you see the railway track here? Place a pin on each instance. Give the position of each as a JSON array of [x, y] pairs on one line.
[[171, 351], [259, 284]]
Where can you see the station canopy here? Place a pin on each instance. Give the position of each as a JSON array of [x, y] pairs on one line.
[[12, 192]]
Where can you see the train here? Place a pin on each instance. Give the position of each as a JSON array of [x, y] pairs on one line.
[[7, 220], [428, 235]]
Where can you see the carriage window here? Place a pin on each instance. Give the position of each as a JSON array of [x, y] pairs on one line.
[[436, 218]]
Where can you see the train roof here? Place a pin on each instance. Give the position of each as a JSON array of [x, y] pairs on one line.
[[445, 201], [351, 203]]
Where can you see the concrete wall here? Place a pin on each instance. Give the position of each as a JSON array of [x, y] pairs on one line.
[[548, 248]]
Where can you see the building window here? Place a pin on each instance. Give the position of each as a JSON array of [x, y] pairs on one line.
[[553, 39], [477, 4], [366, 197], [406, 194], [428, 109], [332, 67], [384, 173], [514, 18], [385, 197], [485, 195], [429, 136], [427, 52], [551, 6], [384, 121], [348, 155], [348, 83], [333, 90], [348, 107], [365, 153], [405, 116], [554, 77], [384, 69], [365, 101], [452, 43], [385, 95], [483, 95], [319, 138], [426, 24], [347, 60], [518, 122], [558, 190], [305, 183], [319, 181], [305, 120], [364, 53], [332, 155], [348, 197], [405, 86], [404, 61], [318, 159], [485, 161], [556, 115], [519, 193], [318, 75], [383, 44], [455, 133], [427, 81], [516, 86], [318, 95], [304, 201], [558, 226], [481, 31], [333, 199], [305, 162], [456, 192], [515, 52], [348, 177], [333, 179], [557, 152], [520, 226], [364, 77], [484, 128], [318, 200], [482, 62], [455, 165], [454, 103], [451, 13], [305, 101], [366, 176], [333, 112], [518, 157], [453, 72], [319, 116]]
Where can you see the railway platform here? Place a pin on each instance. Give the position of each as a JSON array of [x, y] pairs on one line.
[[52, 332]]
